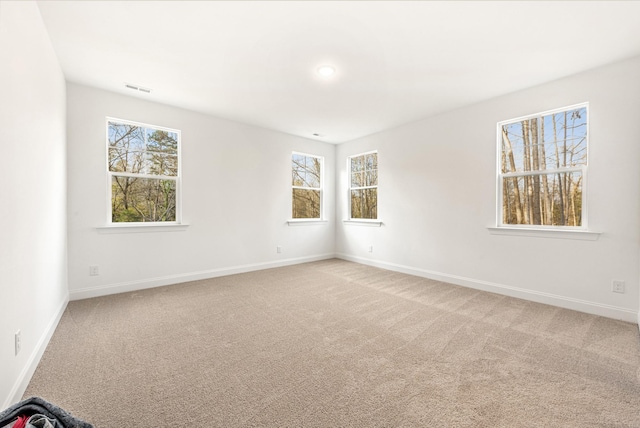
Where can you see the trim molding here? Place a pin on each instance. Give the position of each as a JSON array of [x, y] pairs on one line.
[[142, 228], [583, 235], [15, 395], [123, 287], [307, 222], [362, 222], [608, 311]]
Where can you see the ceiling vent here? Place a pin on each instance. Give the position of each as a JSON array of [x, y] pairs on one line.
[[137, 88]]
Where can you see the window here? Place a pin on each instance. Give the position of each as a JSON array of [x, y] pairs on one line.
[[144, 172], [543, 168], [307, 186], [363, 186]]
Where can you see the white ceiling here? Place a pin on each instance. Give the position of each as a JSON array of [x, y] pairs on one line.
[[255, 62]]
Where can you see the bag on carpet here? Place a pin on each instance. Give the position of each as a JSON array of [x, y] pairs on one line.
[[41, 414]]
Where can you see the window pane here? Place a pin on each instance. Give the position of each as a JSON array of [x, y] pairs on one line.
[[553, 141], [518, 142], [126, 136], [305, 171], [161, 164], [357, 163], [135, 199], [142, 150], [545, 199], [313, 172], [306, 203], [298, 170], [162, 141], [126, 148], [357, 179], [371, 161], [364, 203], [120, 160], [371, 178], [128, 160], [565, 137]]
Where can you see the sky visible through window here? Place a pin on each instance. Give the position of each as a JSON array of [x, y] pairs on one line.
[[542, 167], [564, 142]]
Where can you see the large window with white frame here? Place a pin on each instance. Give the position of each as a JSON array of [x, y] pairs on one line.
[[363, 186], [144, 172], [306, 186], [542, 169]]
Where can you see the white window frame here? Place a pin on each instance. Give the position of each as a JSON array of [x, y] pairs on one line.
[[525, 228], [155, 225], [375, 221], [321, 189]]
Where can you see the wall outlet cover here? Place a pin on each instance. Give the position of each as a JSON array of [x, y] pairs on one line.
[[617, 286], [18, 341]]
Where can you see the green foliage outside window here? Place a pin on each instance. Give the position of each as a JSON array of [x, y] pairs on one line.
[[143, 164]]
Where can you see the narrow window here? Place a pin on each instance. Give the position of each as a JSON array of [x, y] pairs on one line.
[[307, 186], [543, 168], [363, 186], [144, 172]]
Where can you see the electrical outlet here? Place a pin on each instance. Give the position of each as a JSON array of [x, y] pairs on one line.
[[617, 286], [18, 341], [371, 248], [93, 271], [278, 249]]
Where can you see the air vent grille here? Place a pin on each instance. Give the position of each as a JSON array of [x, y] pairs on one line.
[[137, 88]]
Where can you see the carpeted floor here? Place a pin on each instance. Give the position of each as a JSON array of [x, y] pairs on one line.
[[337, 344]]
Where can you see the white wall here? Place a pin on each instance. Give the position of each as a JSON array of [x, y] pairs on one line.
[[437, 197], [33, 253], [236, 199]]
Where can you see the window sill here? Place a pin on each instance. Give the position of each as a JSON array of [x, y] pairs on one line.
[[362, 222], [142, 228], [306, 222], [582, 235]]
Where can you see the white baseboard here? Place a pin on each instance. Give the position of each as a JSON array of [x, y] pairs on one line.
[[123, 287], [16, 393], [608, 311]]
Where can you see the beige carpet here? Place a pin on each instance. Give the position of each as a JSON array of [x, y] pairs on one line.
[[337, 344]]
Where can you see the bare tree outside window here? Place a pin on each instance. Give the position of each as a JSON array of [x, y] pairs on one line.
[[542, 168], [307, 186], [363, 188], [143, 169]]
